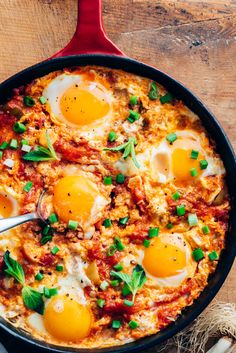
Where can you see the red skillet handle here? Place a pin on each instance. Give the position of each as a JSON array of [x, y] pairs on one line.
[[89, 37]]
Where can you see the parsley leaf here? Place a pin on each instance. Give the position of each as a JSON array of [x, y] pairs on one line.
[[42, 154], [33, 299], [135, 281], [14, 269], [128, 150]]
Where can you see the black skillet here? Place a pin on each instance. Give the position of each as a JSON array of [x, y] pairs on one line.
[[90, 46]]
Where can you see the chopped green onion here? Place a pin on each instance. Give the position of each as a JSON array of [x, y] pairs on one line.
[[193, 172], [39, 276], [213, 256], [169, 226], [49, 292], [107, 223], [59, 268], [153, 232], [133, 100], [46, 229], [13, 144], [115, 283], [192, 219], [28, 186], [104, 285], [167, 98], [153, 91], [29, 101], [146, 243], [19, 128], [118, 244], [205, 229], [1, 154], [133, 116], [133, 324], [107, 180], [116, 324], [4, 145], [153, 95], [118, 267], [128, 302], [101, 303], [53, 218], [198, 254], [180, 209], [42, 100], [123, 221], [111, 250], [73, 225], [112, 136], [55, 250], [120, 178], [176, 196], [45, 239], [125, 290], [172, 137], [24, 142], [194, 154], [203, 164]]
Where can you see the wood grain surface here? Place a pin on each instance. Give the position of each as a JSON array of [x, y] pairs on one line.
[[193, 41]]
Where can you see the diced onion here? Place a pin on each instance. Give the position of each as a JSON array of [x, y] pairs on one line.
[[9, 163], [26, 148]]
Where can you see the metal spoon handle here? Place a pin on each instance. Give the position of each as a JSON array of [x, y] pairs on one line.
[[8, 223]]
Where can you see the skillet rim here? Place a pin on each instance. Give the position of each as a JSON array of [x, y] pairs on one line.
[[227, 154]]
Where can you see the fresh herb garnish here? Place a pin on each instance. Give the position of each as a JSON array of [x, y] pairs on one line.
[[128, 150], [41, 154], [32, 298], [14, 269], [134, 282]]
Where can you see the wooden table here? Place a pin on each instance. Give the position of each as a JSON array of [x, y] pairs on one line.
[[194, 41]]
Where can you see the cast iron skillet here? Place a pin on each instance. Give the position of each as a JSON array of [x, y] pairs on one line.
[[90, 46]]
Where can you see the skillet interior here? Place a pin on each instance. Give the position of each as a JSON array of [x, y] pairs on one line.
[[224, 149]]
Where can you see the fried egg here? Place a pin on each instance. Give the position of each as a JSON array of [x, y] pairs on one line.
[[8, 204], [167, 261], [77, 102], [67, 316], [173, 161], [77, 198]]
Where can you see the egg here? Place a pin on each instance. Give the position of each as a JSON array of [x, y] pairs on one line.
[[8, 205], [168, 260], [77, 198], [80, 103], [67, 316], [66, 319], [166, 161]]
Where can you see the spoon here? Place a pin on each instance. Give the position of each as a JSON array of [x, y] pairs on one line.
[[12, 222]]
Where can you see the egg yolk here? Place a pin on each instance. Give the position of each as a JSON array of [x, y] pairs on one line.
[[82, 105], [66, 319], [182, 163], [74, 198], [163, 260], [6, 206]]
